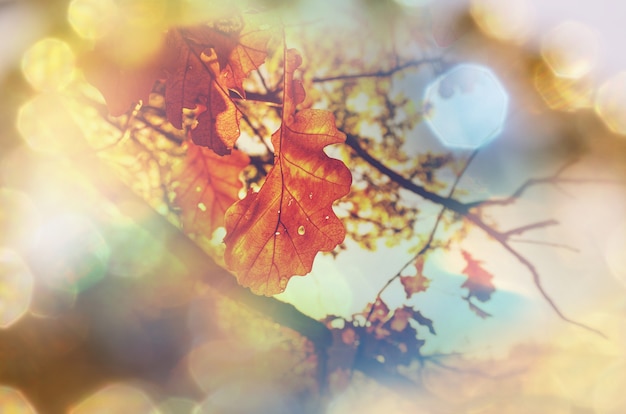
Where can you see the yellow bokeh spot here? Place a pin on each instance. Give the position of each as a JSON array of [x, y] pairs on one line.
[[143, 13], [614, 252], [92, 19], [562, 94], [46, 124], [509, 20], [16, 288], [13, 402], [610, 103], [570, 49], [116, 399], [48, 65], [608, 395]]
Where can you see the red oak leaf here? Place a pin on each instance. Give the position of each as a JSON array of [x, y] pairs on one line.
[[201, 65], [478, 279], [206, 185], [276, 233], [194, 81], [122, 84], [417, 283]]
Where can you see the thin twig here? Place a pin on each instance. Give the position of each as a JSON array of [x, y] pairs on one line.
[[528, 227], [544, 243]]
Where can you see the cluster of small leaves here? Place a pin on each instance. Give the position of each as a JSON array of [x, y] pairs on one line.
[[276, 231], [389, 336], [479, 284]]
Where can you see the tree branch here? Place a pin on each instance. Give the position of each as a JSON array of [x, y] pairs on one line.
[[464, 210], [380, 73]]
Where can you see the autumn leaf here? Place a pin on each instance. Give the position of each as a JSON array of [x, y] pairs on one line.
[[201, 65], [275, 233], [417, 283], [204, 64], [206, 185], [478, 279], [422, 320], [478, 311], [122, 84]]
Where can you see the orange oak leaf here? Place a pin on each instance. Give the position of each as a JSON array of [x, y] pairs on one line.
[[417, 283], [275, 233], [478, 279], [206, 185]]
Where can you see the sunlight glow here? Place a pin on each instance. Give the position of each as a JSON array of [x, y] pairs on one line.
[[13, 402], [48, 64], [611, 103], [116, 399], [71, 253], [570, 49], [16, 288], [466, 107], [19, 218]]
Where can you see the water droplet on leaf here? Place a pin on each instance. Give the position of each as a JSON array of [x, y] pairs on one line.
[[277, 233], [282, 283]]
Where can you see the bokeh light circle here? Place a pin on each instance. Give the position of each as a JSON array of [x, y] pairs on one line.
[[610, 103], [570, 49], [116, 399], [92, 19], [48, 64], [466, 107], [614, 252], [16, 287], [510, 20], [13, 402]]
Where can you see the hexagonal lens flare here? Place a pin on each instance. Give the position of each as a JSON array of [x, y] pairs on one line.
[[466, 107]]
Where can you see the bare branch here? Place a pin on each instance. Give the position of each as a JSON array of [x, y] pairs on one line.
[[544, 243], [528, 227], [380, 73]]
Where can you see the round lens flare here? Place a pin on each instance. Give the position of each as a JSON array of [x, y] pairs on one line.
[[13, 402], [47, 126], [49, 64], [116, 399], [570, 50], [614, 253], [16, 288], [92, 19], [611, 103], [509, 20], [466, 107]]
